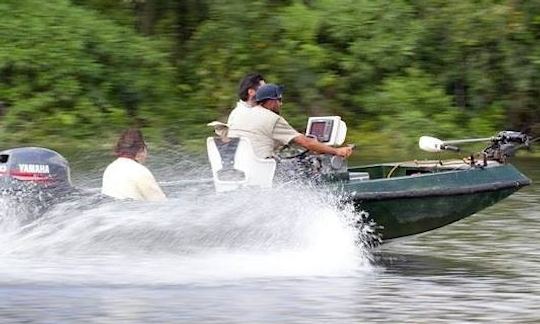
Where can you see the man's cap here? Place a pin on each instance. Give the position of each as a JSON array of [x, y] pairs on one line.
[[268, 91]]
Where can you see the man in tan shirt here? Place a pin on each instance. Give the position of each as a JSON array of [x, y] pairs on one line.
[[267, 130]]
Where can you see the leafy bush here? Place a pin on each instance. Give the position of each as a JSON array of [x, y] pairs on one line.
[[66, 73]]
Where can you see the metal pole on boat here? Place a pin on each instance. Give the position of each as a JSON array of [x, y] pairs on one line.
[[433, 144], [469, 140]]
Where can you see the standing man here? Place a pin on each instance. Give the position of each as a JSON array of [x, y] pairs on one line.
[[246, 93], [267, 130]]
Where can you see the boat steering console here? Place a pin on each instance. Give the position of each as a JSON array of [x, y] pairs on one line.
[[300, 163]]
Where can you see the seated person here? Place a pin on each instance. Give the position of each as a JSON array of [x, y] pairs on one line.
[[267, 130], [246, 94], [126, 177]]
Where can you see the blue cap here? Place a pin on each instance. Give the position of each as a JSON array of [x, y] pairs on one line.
[[268, 91]]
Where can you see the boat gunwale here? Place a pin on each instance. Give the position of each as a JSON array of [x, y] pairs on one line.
[[501, 185], [432, 192], [451, 165]]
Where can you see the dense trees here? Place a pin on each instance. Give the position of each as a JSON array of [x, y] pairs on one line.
[[397, 68], [66, 73]]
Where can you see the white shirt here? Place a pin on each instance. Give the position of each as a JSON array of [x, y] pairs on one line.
[[265, 129], [125, 178], [241, 106]]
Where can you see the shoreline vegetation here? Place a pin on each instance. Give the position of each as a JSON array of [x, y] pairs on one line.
[[74, 73]]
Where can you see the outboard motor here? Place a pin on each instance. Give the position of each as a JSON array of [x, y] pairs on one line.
[[34, 176], [40, 166], [505, 144]]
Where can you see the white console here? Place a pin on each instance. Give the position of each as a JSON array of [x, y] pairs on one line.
[[330, 130]]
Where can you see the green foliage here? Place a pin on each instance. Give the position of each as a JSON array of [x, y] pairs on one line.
[[410, 106], [374, 38], [394, 69], [67, 73]]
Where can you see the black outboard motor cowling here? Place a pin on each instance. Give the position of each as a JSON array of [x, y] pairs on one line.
[[40, 166], [32, 179]]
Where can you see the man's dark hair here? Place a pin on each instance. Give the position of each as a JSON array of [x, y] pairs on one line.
[[250, 81], [131, 141]]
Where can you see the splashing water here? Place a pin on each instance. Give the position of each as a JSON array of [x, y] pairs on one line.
[[199, 237]]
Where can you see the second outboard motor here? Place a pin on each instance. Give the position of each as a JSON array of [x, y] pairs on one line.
[[34, 176]]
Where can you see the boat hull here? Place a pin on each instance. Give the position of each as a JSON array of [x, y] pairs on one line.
[[419, 202]]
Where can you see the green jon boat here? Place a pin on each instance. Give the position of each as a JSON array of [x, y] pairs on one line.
[[414, 197], [402, 198]]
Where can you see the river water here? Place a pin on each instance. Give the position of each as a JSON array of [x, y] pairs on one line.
[[286, 256]]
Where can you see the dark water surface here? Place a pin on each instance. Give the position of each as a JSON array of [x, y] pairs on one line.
[[284, 256]]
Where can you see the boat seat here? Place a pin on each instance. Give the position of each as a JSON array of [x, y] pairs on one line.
[[235, 165]]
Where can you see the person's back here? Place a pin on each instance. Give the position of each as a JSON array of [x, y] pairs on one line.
[[126, 177], [241, 106]]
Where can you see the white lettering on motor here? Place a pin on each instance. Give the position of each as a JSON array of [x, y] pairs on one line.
[[3, 168], [34, 168]]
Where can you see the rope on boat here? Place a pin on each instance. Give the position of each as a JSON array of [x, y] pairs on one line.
[[392, 170], [456, 164]]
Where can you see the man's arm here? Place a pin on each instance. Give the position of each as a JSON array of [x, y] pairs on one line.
[[316, 146], [149, 188]]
